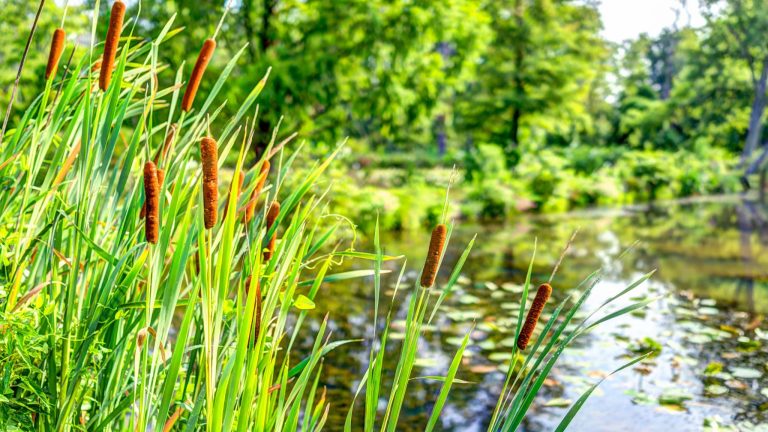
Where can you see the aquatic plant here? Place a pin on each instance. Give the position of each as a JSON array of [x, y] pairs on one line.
[[152, 202], [110, 44], [537, 307], [209, 156], [192, 326], [206, 52], [436, 244], [57, 47]]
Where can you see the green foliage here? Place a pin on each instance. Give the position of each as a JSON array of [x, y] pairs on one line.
[[101, 330]]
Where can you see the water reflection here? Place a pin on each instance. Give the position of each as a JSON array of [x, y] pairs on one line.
[[712, 261]]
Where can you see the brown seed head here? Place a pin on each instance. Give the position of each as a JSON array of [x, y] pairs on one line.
[[206, 52], [160, 179], [542, 295], [110, 44], [57, 46], [141, 338], [210, 158], [152, 201], [250, 208], [436, 244], [272, 213]]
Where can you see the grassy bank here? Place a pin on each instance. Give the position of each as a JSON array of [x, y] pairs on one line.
[[142, 290]]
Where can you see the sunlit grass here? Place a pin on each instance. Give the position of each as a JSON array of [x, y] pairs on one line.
[[102, 330]]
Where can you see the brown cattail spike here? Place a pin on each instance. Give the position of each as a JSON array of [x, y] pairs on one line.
[[542, 295], [272, 213], [436, 244], [160, 179], [110, 44], [57, 46], [210, 157], [152, 200], [250, 209], [197, 74]]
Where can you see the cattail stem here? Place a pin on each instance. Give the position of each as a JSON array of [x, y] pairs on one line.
[[542, 295], [434, 254], [163, 152], [210, 158], [272, 213], [57, 47], [152, 200], [206, 52], [250, 208], [110, 44], [235, 184]]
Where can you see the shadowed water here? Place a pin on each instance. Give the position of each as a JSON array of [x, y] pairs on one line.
[[711, 259]]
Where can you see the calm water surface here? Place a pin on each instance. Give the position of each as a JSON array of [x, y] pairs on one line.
[[711, 259]]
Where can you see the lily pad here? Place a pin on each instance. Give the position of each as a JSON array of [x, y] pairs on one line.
[[674, 397], [745, 373], [558, 403], [716, 390]]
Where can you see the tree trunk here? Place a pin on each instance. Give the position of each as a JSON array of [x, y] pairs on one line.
[[756, 116], [515, 128], [265, 41], [268, 9], [519, 86], [763, 183], [250, 33]]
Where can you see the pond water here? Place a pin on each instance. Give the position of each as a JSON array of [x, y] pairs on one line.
[[711, 258]]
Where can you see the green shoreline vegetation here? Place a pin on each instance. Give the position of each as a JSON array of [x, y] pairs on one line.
[[187, 318]]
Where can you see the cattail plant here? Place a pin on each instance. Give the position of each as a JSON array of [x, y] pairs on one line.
[[110, 44], [250, 208], [436, 244], [206, 52], [272, 213], [152, 201], [542, 295], [57, 46], [210, 158], [160, 179]]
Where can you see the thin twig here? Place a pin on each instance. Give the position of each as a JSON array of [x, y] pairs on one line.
[[562, 255], [21, 68]]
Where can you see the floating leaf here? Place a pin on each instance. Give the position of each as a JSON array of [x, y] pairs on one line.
[[716, 390], [558, 403], [674, 397], [745, 373]]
